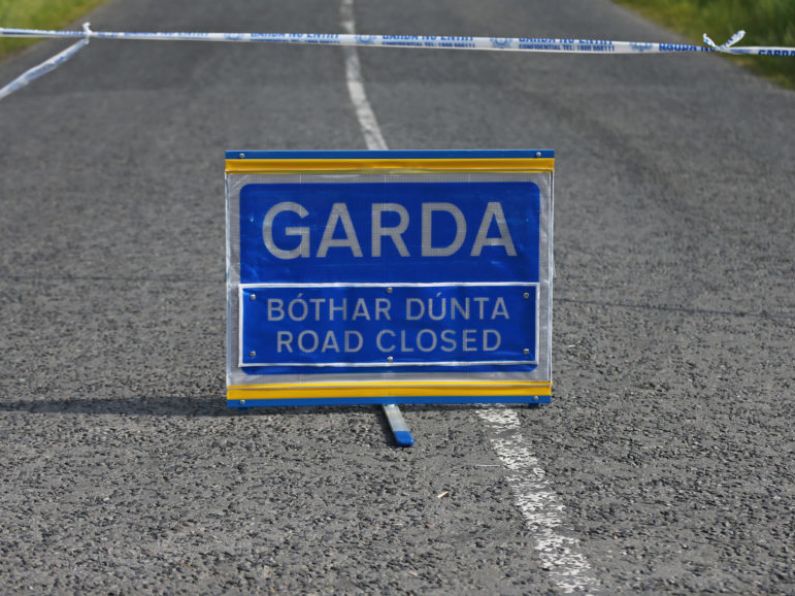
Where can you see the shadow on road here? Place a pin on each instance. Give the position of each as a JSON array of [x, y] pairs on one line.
[[188, 407], [134, 406], [177, 406]]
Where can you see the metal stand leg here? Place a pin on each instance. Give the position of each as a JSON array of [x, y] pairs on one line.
[[400, 430]]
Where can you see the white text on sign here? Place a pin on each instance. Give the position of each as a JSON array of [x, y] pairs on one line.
[[340, 217]]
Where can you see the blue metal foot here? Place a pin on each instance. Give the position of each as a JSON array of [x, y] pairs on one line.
[[400, 429]]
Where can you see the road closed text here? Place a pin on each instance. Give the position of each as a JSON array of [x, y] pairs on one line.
[[388, 324], [388, 340]]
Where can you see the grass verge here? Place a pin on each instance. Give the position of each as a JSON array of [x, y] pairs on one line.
[[38, 14], [766, 22]]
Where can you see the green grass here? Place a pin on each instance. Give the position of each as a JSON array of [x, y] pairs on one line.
[[766, 22], [38, 14]]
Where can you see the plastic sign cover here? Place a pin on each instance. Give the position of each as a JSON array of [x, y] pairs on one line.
[[373, 277]]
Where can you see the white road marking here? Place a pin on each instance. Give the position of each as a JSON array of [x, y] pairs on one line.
[[541, 507], [353, 75]]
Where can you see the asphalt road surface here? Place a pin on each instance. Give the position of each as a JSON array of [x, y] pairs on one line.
[[669, 444]]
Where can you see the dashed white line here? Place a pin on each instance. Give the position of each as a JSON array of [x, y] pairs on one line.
[[543, 511], [541, 507], [353, 76]]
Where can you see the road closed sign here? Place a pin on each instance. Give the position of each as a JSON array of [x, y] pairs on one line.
[[389, 277]]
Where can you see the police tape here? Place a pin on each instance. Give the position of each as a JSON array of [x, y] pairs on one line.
[[437, 42], [47, 66], [428, 42]]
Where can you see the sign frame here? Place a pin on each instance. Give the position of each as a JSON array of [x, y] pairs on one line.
[[391, 383]]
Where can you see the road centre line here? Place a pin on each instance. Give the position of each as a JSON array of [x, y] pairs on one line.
[[541, 507], [353, 76]]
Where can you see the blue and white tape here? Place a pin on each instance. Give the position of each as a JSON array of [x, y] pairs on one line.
[[504, 44], [428, 42], [47, 66]]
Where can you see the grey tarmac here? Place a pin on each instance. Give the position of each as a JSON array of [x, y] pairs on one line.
[[669, 440]]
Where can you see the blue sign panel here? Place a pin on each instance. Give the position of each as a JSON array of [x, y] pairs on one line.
[[389, 232], [400, 326], [389, 277], [435, 274]]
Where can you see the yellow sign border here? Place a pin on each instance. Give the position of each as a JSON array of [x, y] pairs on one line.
[[404, 166], [375, 389]]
